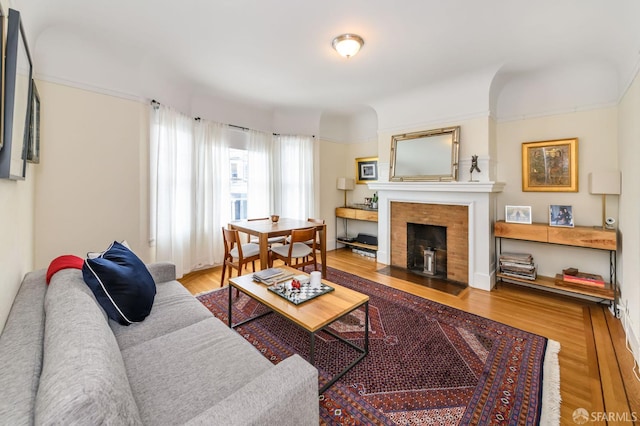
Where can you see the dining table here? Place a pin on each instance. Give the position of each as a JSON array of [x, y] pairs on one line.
[[265, 229]]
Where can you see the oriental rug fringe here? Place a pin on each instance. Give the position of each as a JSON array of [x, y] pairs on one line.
[[428, 364]]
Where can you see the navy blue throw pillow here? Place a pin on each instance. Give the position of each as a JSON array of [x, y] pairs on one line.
[[121, 283]]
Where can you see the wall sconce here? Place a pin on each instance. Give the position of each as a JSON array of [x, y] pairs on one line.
[[605, 183], [345, 184], [347, 45]]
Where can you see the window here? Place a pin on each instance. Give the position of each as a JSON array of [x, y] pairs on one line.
[[238, 183]]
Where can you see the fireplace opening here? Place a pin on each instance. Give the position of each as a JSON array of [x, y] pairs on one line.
[[427, 250]]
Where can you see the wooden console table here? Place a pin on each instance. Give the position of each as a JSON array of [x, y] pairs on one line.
[[579, 236], [350, 213]]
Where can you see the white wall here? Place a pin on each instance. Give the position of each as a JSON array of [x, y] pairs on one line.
[[629, 153], [596, 131], [92, 182]]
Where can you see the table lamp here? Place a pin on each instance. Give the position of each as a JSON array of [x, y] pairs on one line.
[[605, 183], [345, 184]]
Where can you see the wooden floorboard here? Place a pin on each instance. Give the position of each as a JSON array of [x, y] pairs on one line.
[[626, 364], [610, 377], [595, 367], [595, 383]]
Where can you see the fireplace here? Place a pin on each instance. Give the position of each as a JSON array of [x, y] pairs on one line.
[[466, 209], [441, 227], [427, 249]]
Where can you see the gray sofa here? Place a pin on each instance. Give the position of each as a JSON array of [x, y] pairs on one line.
[[63, 362]]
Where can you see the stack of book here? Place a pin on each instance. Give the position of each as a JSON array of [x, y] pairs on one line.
[[271, 276], [584, 278], [518, 265], [583, 281]]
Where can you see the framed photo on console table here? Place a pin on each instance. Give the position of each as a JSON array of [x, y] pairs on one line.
[[517, 214], [366, 170], [560, 215], [550, 166]]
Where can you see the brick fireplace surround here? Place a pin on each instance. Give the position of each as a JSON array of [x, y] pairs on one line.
[[466, 207], [453, 217]]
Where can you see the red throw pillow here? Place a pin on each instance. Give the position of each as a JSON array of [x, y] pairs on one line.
[[63, 262]]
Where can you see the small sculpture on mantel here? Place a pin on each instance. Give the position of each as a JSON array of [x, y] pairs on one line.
[[474, 167]]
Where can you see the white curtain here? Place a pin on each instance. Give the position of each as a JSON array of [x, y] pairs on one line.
[[212, 189], [189, 189], [260, 183], [171, 175], [293, 169]]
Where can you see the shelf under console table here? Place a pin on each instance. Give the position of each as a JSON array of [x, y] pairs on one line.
[[351, 213], [579, 236]]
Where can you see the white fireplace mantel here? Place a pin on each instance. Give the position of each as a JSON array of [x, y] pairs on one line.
[[478, 196], [439, 186]]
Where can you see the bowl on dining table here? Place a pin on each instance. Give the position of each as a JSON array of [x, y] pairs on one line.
[[275, 218]]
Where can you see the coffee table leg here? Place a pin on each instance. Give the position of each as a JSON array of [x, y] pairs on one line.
[[230, 299], [364, 351], [312, 354], [366, 328]]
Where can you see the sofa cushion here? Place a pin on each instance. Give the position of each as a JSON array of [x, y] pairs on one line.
[[121, 283], [173, 308], [192, 368], [83, 377]]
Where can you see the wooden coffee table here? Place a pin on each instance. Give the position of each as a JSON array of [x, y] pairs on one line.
[[312, 316]]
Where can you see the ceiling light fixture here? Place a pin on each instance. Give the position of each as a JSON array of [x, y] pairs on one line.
[[347, 45]]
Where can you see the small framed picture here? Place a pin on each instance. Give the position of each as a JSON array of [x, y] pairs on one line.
[[366, 169], [560, 215], [517, 214]]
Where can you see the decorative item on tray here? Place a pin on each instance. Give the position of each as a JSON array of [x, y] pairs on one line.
[[299, 289]]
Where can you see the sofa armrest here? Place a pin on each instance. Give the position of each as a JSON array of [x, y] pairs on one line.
[[284, 395], [162, 271]]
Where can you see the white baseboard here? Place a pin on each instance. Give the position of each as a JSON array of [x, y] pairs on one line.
[[631, 336], [634, 343]]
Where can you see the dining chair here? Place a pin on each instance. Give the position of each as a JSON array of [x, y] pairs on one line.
[[297, 250], [309, 243], [271, 240], [236, 254]]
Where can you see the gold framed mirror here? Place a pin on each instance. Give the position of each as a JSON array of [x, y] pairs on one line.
[[430, 155]]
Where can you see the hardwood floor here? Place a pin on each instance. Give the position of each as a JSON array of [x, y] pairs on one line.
[[595, 366]]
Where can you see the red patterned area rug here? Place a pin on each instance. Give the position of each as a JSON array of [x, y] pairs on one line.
[[428, 364]]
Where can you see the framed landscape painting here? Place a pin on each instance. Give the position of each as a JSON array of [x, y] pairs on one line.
[[550, 166]]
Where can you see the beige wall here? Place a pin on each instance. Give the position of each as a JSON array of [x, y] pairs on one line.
[[92, 180], [596, 131], [16, 237], [333, 158]]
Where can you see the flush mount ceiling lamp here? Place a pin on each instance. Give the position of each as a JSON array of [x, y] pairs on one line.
[[347, 45]]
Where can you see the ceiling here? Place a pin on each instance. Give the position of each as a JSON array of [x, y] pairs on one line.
[[277, 54]]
